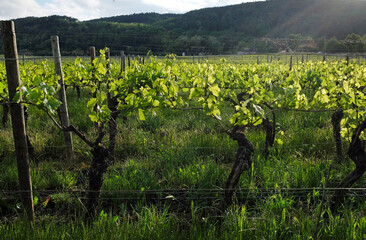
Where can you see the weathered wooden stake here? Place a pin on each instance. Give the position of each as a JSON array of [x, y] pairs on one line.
[[17, 117], [123, 61], [63, 112], [290, 63], [92, 55], [108, 58]]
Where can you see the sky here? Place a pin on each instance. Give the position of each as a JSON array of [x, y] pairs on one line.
[[92, 9]]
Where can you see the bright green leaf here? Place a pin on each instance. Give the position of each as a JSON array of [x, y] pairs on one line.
[[215, 90], [93, 117], [91, 103], [141, 115]]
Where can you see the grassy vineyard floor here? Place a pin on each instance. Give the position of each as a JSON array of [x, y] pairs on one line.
[[167, 178]]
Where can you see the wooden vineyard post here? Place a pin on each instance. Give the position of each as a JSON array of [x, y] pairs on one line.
[[290, 63], [63, 112], [17, 117], [123, 61], [108, 59], [92, 55]]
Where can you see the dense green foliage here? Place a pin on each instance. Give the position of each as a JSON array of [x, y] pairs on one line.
[[172, 153], [265, 26], [145, 18]]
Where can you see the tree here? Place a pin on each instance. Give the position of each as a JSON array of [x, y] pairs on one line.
[[333, 45], [354, 43], [294, 41]]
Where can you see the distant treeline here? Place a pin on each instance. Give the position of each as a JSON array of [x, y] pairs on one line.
[[256, 27]]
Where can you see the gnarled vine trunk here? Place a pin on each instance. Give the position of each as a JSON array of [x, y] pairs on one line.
[[98, 167], [243, 158], [243, 161], [270, 128], [357, 153], [336, 122]]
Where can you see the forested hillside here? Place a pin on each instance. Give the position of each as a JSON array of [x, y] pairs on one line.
[[147, 18], [278, 18], [266, 26]]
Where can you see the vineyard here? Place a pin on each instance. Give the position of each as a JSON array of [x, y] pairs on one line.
[[164, 149]]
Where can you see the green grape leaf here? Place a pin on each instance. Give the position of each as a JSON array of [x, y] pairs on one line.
[[102, 96], [105, 113], [91, 103], [258, 122], [101, 69], [35, 95], [156, 103], [141, 114], [93, 117], [214, 89], [279, 142], [52, 104]]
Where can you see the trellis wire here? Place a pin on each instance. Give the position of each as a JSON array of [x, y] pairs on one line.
[[300, 146], [197, 194]]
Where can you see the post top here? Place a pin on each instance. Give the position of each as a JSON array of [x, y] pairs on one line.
[[7, 26]]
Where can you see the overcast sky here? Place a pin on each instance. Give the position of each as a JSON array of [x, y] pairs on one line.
[[91, 9]]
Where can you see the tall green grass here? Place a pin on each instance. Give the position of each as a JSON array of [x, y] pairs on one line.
[[153, 223]]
